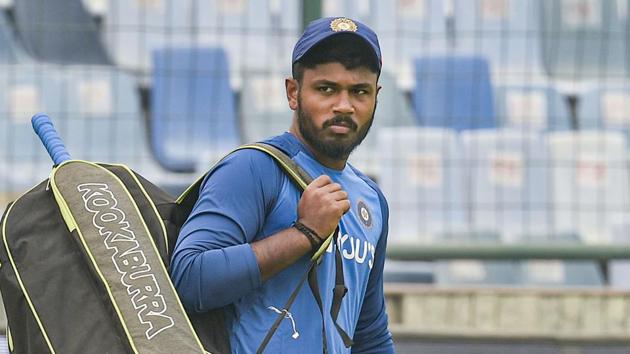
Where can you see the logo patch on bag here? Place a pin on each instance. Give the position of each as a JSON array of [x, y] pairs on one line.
[[128, 257]]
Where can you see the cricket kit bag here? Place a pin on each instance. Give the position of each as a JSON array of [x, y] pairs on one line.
[[84, 261]]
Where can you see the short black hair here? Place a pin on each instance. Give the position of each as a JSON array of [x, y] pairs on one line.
[[344, 48]]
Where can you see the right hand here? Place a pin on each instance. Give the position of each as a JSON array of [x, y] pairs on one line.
[[322, 205]]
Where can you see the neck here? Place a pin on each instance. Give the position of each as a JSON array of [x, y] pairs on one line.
[[336, 164]]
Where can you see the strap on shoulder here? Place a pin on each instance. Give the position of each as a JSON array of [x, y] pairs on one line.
[[300, 177]]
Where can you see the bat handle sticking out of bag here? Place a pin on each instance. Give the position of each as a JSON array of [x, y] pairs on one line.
[[45, 129]]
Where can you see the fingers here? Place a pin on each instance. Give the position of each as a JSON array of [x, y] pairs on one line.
[[345, 205], [325, 185], [339, 195], [320, 181], [331, 188], [340, 202], [322, 205]]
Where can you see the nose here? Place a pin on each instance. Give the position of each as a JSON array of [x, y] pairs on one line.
[[343, 105]]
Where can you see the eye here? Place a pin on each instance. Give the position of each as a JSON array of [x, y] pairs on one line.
[[325, 89], [361, 92]]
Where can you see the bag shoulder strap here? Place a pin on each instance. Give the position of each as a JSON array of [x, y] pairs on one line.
[[298, 176]]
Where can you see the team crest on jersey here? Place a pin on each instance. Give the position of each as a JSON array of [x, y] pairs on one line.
[[365, 215]]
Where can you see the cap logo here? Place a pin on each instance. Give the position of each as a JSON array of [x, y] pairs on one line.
[[343, 24]]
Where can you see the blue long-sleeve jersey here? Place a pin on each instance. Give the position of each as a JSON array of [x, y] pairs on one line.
[[247, 197]]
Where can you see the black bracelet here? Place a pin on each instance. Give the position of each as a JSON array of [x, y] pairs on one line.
[[311, 235]]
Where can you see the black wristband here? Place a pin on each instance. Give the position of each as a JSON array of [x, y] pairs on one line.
[[311, 235]]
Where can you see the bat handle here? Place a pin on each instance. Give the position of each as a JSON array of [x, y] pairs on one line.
[[45, 129]]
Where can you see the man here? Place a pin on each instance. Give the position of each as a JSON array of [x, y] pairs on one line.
[[251, 234]]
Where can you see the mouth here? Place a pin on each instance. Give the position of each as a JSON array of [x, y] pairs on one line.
[[340, 129], [341, 125]]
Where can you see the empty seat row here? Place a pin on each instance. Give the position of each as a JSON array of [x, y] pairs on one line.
[[509, 184], [96, 109], [454, 92], [194, 118], [458, 92], [564, 39], [537, 273], [256, 34], [574, 40]]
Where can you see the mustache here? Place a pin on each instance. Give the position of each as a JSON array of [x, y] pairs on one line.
[[341, 120]]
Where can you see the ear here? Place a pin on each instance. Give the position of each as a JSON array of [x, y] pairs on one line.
[[378, 90], [292, 86]]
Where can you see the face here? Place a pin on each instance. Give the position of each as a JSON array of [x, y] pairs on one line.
[[335, 108]]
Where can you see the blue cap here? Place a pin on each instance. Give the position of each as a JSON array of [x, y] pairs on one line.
[[324, 28]]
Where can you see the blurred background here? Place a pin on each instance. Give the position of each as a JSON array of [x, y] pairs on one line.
[[500, 140]]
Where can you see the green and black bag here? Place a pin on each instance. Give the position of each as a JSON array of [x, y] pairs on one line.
[[84, 261]]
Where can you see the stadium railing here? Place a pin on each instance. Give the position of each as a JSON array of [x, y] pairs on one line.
[[523, 312]]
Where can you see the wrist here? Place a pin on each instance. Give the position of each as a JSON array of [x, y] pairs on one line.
[[310, 234]]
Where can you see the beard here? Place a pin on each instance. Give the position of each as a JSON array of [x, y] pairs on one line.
[[334, 147]]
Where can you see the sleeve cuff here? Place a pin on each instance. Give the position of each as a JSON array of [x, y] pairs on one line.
[[243, 261]]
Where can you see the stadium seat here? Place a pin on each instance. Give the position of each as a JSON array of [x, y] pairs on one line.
[[507, 171], [96, 109], [422, 177], [7, 40], [193, 109], [505, 32], [360, 10], [408, 29], [605, 108], [531, 108], [476, 273], [472, 272], [392, 110], [257, 35], [557, 273], [619, 270], [263, 106], [59, 31], [551, 273], [589, 182], [583, 39], [408, 272], [101, 119], [25, 91], [454, 92], [131, 30]]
